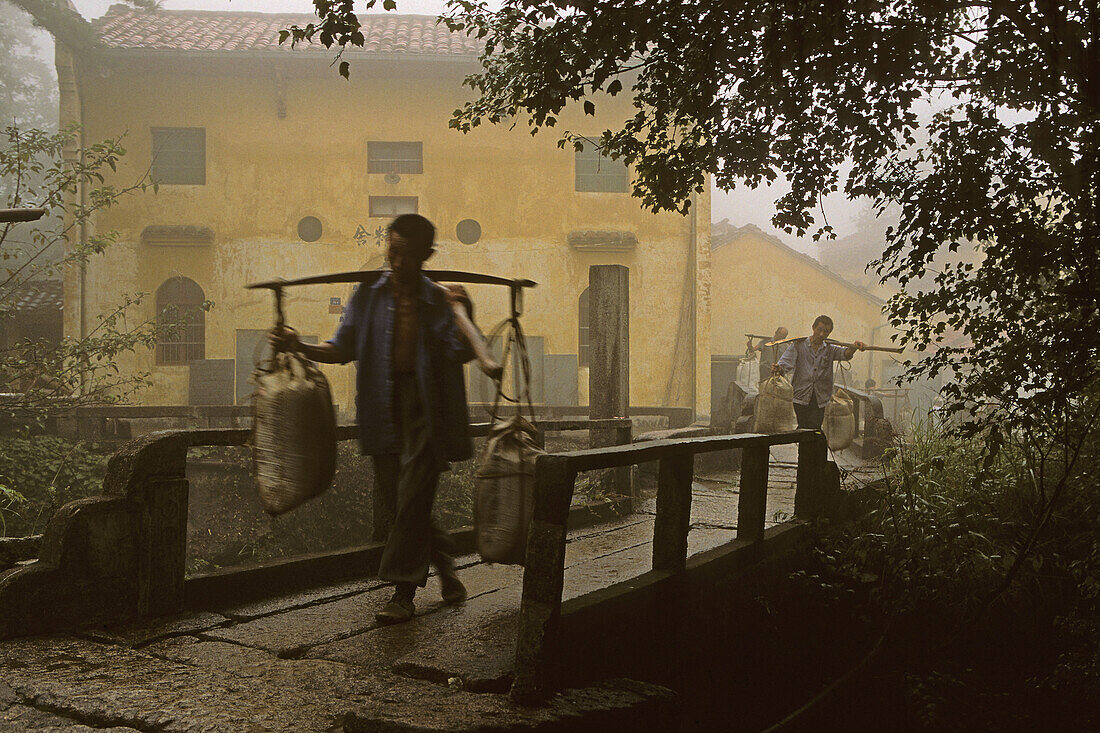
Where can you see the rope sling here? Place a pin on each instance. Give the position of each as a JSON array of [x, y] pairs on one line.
[[504, 490], [839, 424]]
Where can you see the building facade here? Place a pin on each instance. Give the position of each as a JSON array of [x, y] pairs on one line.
[[269, 164]]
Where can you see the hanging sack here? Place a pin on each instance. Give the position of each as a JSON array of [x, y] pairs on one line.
[[505, 493], [839, 424], [293, 432], [775, 406], [504, 490], [840, 421]]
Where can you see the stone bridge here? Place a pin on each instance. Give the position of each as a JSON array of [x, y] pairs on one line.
[[101, 627], [121, 639]]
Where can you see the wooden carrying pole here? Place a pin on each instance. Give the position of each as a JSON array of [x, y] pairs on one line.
[[485, 361], [866, 347], [888, 349]]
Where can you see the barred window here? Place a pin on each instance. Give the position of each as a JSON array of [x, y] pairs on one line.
[[181, 321], [390, 157], [583, 311], [597, 172], [179, 155]]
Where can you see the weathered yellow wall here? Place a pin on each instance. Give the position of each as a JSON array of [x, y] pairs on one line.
[[758, 286], [263, 174]]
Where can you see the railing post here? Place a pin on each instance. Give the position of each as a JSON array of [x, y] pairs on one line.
[[809, 484], [543, 577], [752, 501], [670, 529]]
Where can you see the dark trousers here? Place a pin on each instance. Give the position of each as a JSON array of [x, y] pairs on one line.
[[809, 416], [406, 484]]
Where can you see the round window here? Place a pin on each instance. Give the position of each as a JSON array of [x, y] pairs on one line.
[[468, 231], [309, 229]]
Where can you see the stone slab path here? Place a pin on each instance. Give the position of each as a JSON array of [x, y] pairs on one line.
[[316, 660]]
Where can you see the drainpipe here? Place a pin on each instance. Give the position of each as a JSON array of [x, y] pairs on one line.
[[83, 222], [693, 265]]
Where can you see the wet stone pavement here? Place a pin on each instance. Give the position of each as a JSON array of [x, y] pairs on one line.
[[316, 660]]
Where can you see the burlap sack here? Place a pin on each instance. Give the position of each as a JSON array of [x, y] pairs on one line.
[[840, 421], [775, 406], [293, 433], [504, 493]]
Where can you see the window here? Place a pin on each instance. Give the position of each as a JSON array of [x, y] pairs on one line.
[[596, 172], [179, 155], [180, 314], [395, 157], [582, 329], [391, 206]]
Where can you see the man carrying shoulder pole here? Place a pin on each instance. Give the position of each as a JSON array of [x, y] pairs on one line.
[[810, 362], [409, 347]]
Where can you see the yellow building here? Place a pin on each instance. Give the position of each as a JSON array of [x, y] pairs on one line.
[[270, 165], [759, 284]]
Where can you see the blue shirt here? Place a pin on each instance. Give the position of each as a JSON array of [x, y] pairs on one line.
[[366, 334], [813, 370]]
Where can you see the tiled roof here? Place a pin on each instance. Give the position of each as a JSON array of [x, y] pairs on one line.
[[126, 28], [37, 295]]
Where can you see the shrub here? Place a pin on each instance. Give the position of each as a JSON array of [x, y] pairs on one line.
[[957, 529], [40, 473]]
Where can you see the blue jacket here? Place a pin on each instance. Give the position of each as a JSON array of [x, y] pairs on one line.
[[813, 370], [366, 330]]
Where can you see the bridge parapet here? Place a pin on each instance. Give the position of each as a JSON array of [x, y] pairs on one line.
[[122, 555], [110, 557], [555, 477]]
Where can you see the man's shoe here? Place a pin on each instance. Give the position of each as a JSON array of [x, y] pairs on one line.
[[399, 609], [453, 591]]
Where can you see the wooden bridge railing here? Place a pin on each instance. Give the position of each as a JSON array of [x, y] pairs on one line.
[[555, 477], [121, 555]]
